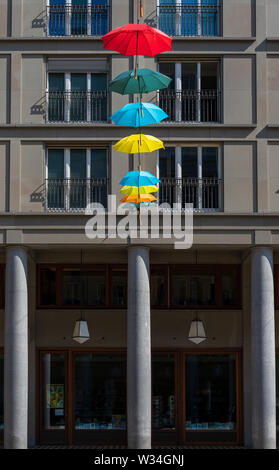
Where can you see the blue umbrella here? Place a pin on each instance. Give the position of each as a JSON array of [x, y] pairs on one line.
[[139, 178], [138, 115]]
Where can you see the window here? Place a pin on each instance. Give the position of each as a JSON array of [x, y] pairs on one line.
[[78, 17], [159, 286], [84, 287], [119, 287], [211, 397], [193, 95], [189, 17], [54, 382], [100, 392], [191, 175], [163, 392], [1, 391], [76, 178], [2, 286], [77, 97]]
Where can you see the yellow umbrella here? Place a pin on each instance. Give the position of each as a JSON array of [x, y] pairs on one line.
[[139, 143], [135, 190], [139, 199]]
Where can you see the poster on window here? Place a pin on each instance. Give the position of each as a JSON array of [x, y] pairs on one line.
[[55, 396]]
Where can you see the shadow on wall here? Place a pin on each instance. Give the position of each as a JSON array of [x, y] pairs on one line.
[[39, 108], [39, 194], [40, 21]]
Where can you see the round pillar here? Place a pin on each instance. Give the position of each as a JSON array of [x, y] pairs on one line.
[[263, 388], [138, 350], [16, 350]]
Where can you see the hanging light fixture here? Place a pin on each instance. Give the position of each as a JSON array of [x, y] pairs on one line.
[[81, 331], [197, 331]]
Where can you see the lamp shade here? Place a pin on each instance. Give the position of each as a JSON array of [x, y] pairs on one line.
[[81, 332], [197, 332]]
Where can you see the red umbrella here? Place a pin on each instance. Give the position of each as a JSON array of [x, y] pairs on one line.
[[137, 39]]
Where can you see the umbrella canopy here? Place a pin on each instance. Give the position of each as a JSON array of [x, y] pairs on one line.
[[139, 199], [138, 115], [147, 80], [137, 39], [139, 143], [139, 178], [135, 190]]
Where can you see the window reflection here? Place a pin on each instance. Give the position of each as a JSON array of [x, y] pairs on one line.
[[84, 287], [191, 289], [163, 396], [100, 391], [119, 288], [229, 288], [211, 392], [158, 292], [53, 373], [1, 391], [48, 286]]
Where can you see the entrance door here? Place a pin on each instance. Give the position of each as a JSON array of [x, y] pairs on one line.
[[211, 404], [99, 398]]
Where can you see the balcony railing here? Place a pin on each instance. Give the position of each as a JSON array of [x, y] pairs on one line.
[[78, 20], [190, 20], [203, 193], [75, 194], [77, 106], [191, 105]]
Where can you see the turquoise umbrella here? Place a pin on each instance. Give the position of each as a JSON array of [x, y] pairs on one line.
[[138, 115], [147, 81], [139, 178]]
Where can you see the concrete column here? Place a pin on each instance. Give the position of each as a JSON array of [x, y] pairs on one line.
[[16, 350], [138, 350], [263, 397]]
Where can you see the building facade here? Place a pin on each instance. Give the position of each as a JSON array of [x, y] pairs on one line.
[[134, 378]]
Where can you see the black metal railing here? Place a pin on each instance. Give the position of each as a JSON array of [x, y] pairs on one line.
[[77, 106], [75, 194], [191, 105], [78, 20], [190, 20], [203, 193]]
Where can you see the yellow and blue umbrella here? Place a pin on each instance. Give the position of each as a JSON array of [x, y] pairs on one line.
[[146, 81], [133, 190], [138, 115], [139, 143]]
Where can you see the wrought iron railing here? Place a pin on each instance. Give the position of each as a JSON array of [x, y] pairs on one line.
[[78, 20], [190, 20], [75, 194], [191, 105], [203, 193], [77, 106]]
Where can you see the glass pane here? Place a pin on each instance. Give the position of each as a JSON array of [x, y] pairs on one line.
[[78, 187], [98, 163], [189, 76], [84, 287], [78, 163], [210, 392], [193, 289], [48, 286], [229, 287], [1, 391], [169, 71], [56, 97], [100, 392], [79, 17], [56, 81], [119, 288], [163, 391], [57, 15], [99, 104], [55, 184], [167, 162], [158, 294], [209, 75], [53, 374], [190, 162], [99, 17], [78, 97], [210, 162]]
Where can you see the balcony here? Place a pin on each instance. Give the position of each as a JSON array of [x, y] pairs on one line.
[[78, 20], [77, 106], [190, 20], [204, 193], [191, 105], [74, 194]]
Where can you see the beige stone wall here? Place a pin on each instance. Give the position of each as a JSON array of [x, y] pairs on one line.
[[273, 166], [272, 18], [238, 177], [237, 18], [32, 176], [34, 19], [33, 89], [273, 89], [4, 18], [238, 89], [4, 89]]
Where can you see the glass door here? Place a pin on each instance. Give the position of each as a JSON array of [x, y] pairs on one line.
[[211, 405], [99, 397], [164, 398], [53, 395], [78, 172], [79, 97]]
